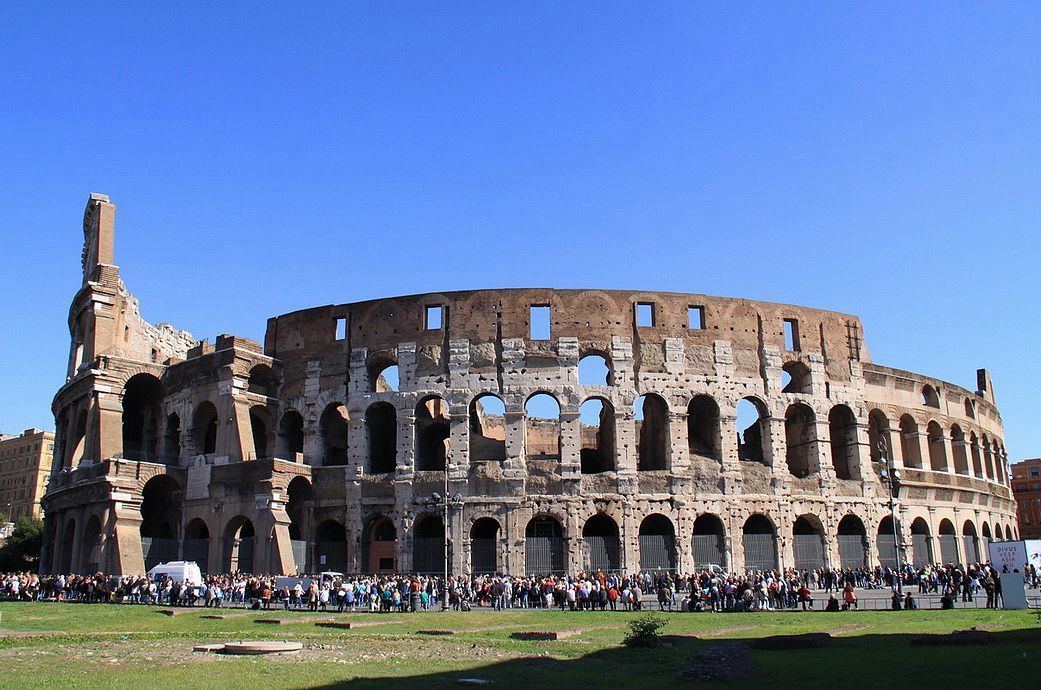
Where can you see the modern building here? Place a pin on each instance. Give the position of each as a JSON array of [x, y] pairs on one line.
[[1026, 488], [25, 467], [534, 430]]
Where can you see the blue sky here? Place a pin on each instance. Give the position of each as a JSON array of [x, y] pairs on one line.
[[882, 159]]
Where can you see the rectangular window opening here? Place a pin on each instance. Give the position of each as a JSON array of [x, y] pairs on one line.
[[539, 317], [644, 315], [696, 318], [791, 335], [433, 317], [341, 329]]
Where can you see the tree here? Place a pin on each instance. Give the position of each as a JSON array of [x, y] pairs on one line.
[[21, 551]]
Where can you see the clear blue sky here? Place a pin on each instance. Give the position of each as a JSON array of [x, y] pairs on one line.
[[878, 159]]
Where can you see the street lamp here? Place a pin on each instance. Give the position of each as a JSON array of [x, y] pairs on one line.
[[891, 478], [445, 502]]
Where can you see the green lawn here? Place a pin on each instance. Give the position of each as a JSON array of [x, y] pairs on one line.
[[49, 645]]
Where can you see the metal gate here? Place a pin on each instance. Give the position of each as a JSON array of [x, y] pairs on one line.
[[760, 552], [484, 556], [949, 548], [157, 550], [657, 552], [428, 555], [299, 555], [969, 546], [921, 554], [331, 555], [709, 549], [198, 550], [602, 553], [244, 562], [544, 555], [809, 551], [853, 551], [887, 550]]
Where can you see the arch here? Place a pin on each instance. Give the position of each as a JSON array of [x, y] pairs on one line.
[[594, 369], [910, 445], [703, 427], [330, 546], [381, 426], [381, 539], [970, 408], [290, 442], [709, 542], [970, 543], [300, 499], [597, 431], [262, 428], [196, 545], [602, 546], [948, 542], [937, 448], [988, 459], [751, 416], [160, 520], [484, 546], [90, 560], [853, 544], [432, 432], [795, 378], [887, 543], [759, 537], [333, 427], [78, 442], [428, 545], [930, 398], [842, 433], [878, 430], [263, 381], [172, 439], [921, 544], [204, 428], [384, 375], [487, 434], [961, 457], [974, 452], [808, 542], [1008, 532], [651, 413], [142, 395], [657, 543], [542, 428], [544, 546], [68, 544], [800, 439], [239, 543]]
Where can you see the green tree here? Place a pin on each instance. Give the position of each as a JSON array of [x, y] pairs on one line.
[[21, 551]]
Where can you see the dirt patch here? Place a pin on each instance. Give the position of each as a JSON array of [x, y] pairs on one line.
[[794, 642], [721, 662], [31, 633]]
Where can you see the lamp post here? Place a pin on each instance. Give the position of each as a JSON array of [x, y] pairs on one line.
[[445, 502], [891, 478]]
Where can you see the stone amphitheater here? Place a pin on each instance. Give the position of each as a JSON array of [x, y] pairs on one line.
[[519, 430]]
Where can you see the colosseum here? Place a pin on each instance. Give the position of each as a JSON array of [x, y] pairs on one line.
[[530, 430]]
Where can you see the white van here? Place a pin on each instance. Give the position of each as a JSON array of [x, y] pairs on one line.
[[178, 571]]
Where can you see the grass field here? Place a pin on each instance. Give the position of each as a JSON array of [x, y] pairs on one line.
[[51, 645]]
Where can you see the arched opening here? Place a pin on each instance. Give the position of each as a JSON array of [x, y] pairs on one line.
[[948, 542], [160, 520], [970, 409], [141, 397], [300, 499], [958, 451], [263, 432], [333, 427], [381, 540], [800, 439], [887, 543], [431, 434], [544, 547], [384, 376], [263, 381], [90, 560], [330, 542], [68, 543], [594, 370], [1000, 463], [172, 439], [853, 544], [921, 544], [808, 542], [988, 459], [751, 430], [484, 547], [78, 441], [239, 539], [652, 429], [1008, 533], [910, 445], [542, 429], [795, 378], [428, 546], [290, 442], [602, 547], [709, 542], [657, 544], [937, 449], [703, 427], [842, 431], [596, 419], [197, 544], [759, 538], [878, 430], [381, 425], [974, 451], [985, 539], [204, 428], [930, 398], [970, 544], [487, 429]]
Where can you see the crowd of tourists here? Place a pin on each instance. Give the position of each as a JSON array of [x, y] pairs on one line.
[[827, 588]]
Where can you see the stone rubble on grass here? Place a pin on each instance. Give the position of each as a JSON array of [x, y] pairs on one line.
[[721, 662]]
